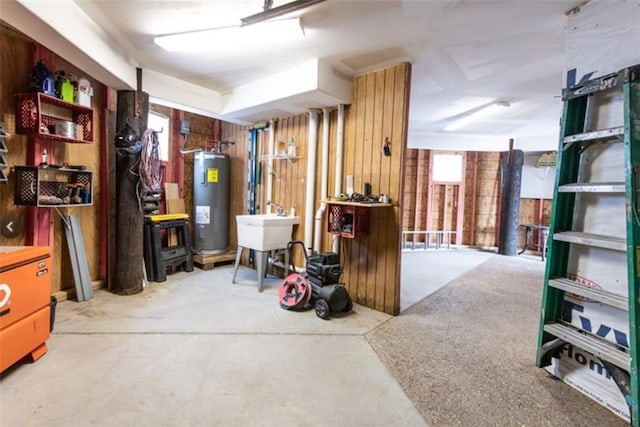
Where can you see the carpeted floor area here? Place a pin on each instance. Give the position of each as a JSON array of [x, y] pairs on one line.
[[465, 355]]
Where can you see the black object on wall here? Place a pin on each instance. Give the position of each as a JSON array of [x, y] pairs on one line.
[[130, 123], [511, 171]]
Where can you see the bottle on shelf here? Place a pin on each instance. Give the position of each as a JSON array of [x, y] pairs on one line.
[[291, 148]]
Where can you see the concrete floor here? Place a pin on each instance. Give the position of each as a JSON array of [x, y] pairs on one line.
[[197, 350], [424, 272]]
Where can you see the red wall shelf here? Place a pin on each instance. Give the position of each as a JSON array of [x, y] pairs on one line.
[[37, 115], [350, 219]]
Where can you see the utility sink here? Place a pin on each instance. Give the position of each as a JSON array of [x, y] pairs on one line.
[[265, 232]]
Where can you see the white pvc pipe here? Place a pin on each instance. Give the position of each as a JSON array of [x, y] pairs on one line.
[[311, 175], [339, 155], [337, 189], [325, 154], [272, 144], [324, 177]]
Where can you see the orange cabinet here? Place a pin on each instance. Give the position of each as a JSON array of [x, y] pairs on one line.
[[25, 303]]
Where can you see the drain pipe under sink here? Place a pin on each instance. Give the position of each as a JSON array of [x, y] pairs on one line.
[[324, 176], [311, 173]]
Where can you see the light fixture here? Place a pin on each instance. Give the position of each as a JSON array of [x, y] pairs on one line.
[[225, 40], [476, 114], [270, 13], [547, 159]]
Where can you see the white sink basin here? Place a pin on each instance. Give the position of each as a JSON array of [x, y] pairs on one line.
[[265, 232]]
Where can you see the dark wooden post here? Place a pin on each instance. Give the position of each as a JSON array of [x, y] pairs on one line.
[[133, 108]]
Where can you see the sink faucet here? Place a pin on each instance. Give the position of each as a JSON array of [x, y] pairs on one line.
[[281, 210]]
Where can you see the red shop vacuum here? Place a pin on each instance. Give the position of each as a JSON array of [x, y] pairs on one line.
[[319, 287]]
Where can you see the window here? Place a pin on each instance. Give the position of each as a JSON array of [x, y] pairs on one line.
[[159, 122], [447, 168]]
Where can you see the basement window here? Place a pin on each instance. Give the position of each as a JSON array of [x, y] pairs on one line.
[[447, 168], [160, 123]]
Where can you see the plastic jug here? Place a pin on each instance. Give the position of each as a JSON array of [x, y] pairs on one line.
[[66, 90], [48, 86]]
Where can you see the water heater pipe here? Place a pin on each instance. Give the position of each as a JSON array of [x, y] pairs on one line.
[[324, 177], [311, 174], [339, 155], [272, 144]]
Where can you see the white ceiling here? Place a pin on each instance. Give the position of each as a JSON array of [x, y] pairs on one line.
[[465, 53]]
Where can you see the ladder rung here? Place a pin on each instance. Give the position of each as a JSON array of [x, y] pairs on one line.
[[599, 295], [595, 135], [596, 240], [590, 343], [596, 187]]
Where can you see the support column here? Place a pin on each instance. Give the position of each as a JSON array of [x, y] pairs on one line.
[[511, 181], [133, 108]]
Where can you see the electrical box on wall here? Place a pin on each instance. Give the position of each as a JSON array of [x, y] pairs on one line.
[[185, 127]]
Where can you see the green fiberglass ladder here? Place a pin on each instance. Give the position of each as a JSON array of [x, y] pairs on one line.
[[597, 184]]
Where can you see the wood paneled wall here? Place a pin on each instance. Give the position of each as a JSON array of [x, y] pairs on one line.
[[89, 216], [379, 110], [238, 190], [15, 69]]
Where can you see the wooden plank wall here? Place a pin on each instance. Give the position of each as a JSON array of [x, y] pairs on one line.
[[289, 176], [533, 211], [422, 192], [487, 192], [482, 184], [201, 137], [15, 70], [89, 216], [470, 202], [379, 110], [482, 176], [238, 153], [410, 190]]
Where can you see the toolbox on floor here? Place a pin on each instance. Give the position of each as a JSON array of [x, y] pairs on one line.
[[25, 303]]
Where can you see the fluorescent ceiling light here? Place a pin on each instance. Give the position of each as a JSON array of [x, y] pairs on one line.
[[278, 11], [476, 115], [273, 34]]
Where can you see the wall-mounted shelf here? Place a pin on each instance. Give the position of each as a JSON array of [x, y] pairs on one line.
[[280, 157], [350, 219], [52, 187], [38, 114]]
